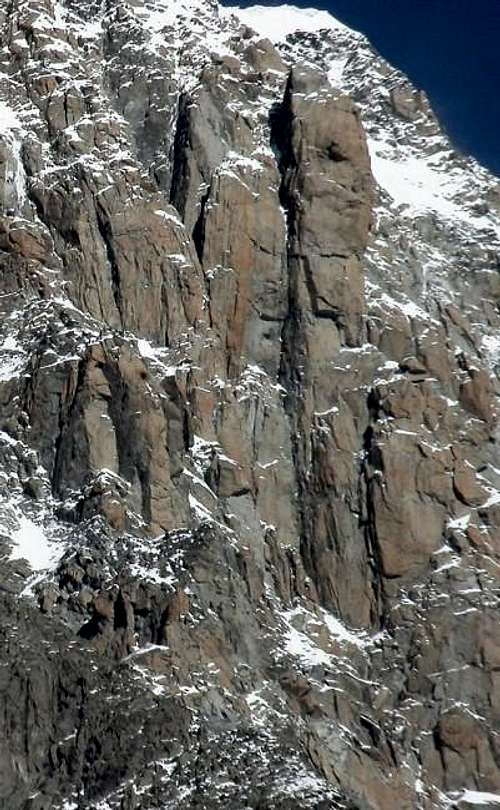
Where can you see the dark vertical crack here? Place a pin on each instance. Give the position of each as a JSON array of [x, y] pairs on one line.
[[107, 238], [371, 466], [65, 419], [371, 462], [199, 227], [180, 168], [293, 359]]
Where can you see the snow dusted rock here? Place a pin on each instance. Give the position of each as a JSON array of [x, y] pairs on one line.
[[250, 479]]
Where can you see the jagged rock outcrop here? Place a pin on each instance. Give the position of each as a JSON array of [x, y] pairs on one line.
[[250, 478]]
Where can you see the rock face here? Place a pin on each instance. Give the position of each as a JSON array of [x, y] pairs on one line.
[[250, 479]]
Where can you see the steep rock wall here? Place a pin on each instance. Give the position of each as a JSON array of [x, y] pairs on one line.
[[248, 433]]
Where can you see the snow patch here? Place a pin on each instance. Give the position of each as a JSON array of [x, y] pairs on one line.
[[460, 522], [12, 131], [340, 632], [148, 648], [421, 185], [31, 544], [479, 797], [11, 366], [336, 71], [146, 349], [278, 22], [493, 499], [9, 121], [299, 645]]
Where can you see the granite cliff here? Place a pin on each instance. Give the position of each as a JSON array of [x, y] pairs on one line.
[[249, 381]]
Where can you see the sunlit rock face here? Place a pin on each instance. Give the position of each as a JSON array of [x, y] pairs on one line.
[[250, 480]]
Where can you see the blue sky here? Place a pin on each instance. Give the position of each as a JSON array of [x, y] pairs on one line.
[[450, 48]]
